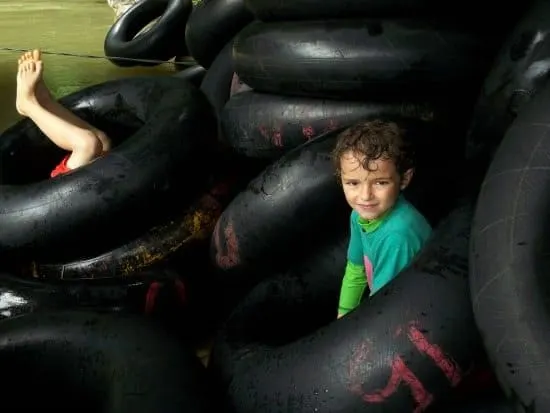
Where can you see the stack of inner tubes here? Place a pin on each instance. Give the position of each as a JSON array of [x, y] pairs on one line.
[[292, 80], [409, 348], [221, 179], [98, 239], [102, 235], [310, 73]]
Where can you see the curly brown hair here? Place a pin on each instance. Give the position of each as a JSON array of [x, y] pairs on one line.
[[375, 139]]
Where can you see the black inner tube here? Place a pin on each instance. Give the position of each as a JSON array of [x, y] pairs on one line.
[[510, 257], [280, 123], [211, 25], [120, 194], [263, 362], [217, 81], [194, 74], [363, 58], [97, 363], [21, 295], [519, 71], [164, 40], [286, 10]]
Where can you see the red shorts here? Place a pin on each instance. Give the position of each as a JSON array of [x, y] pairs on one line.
[[62, 168]]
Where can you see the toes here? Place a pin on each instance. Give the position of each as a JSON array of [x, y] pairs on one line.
[[28, 67], [29, 56]]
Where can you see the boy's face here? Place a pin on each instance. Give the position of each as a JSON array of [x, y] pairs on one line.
[[371, 192]]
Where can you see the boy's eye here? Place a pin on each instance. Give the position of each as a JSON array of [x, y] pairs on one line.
[[382, 182], [351, 183]]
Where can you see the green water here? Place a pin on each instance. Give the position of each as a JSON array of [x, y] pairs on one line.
[[74, 26]]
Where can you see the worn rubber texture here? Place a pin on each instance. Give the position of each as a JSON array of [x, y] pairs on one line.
[[509, 257], [363, 58]]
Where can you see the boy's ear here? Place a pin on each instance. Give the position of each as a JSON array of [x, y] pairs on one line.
[[406, 178]]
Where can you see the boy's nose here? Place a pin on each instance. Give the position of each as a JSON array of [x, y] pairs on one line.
[[365, 193]]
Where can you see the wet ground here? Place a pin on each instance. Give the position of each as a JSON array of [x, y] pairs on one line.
[[73, 26]]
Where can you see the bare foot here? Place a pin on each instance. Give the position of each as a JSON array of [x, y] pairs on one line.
[[41, 91], [28, 75]]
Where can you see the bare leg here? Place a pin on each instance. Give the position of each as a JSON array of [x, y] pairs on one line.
[[83, 143], [78, 139], [46, 99]]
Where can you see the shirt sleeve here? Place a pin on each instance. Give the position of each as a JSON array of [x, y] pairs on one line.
[[355, 247], [354, 284], [394, 253]]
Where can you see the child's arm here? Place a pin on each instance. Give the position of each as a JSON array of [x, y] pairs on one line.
[[353, 288], [354, 281], [394, 253]]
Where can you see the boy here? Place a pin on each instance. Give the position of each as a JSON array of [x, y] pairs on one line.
[[84, 142], [375, 163]]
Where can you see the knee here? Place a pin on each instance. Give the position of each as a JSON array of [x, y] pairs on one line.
[[104, 140], [88, 145]]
